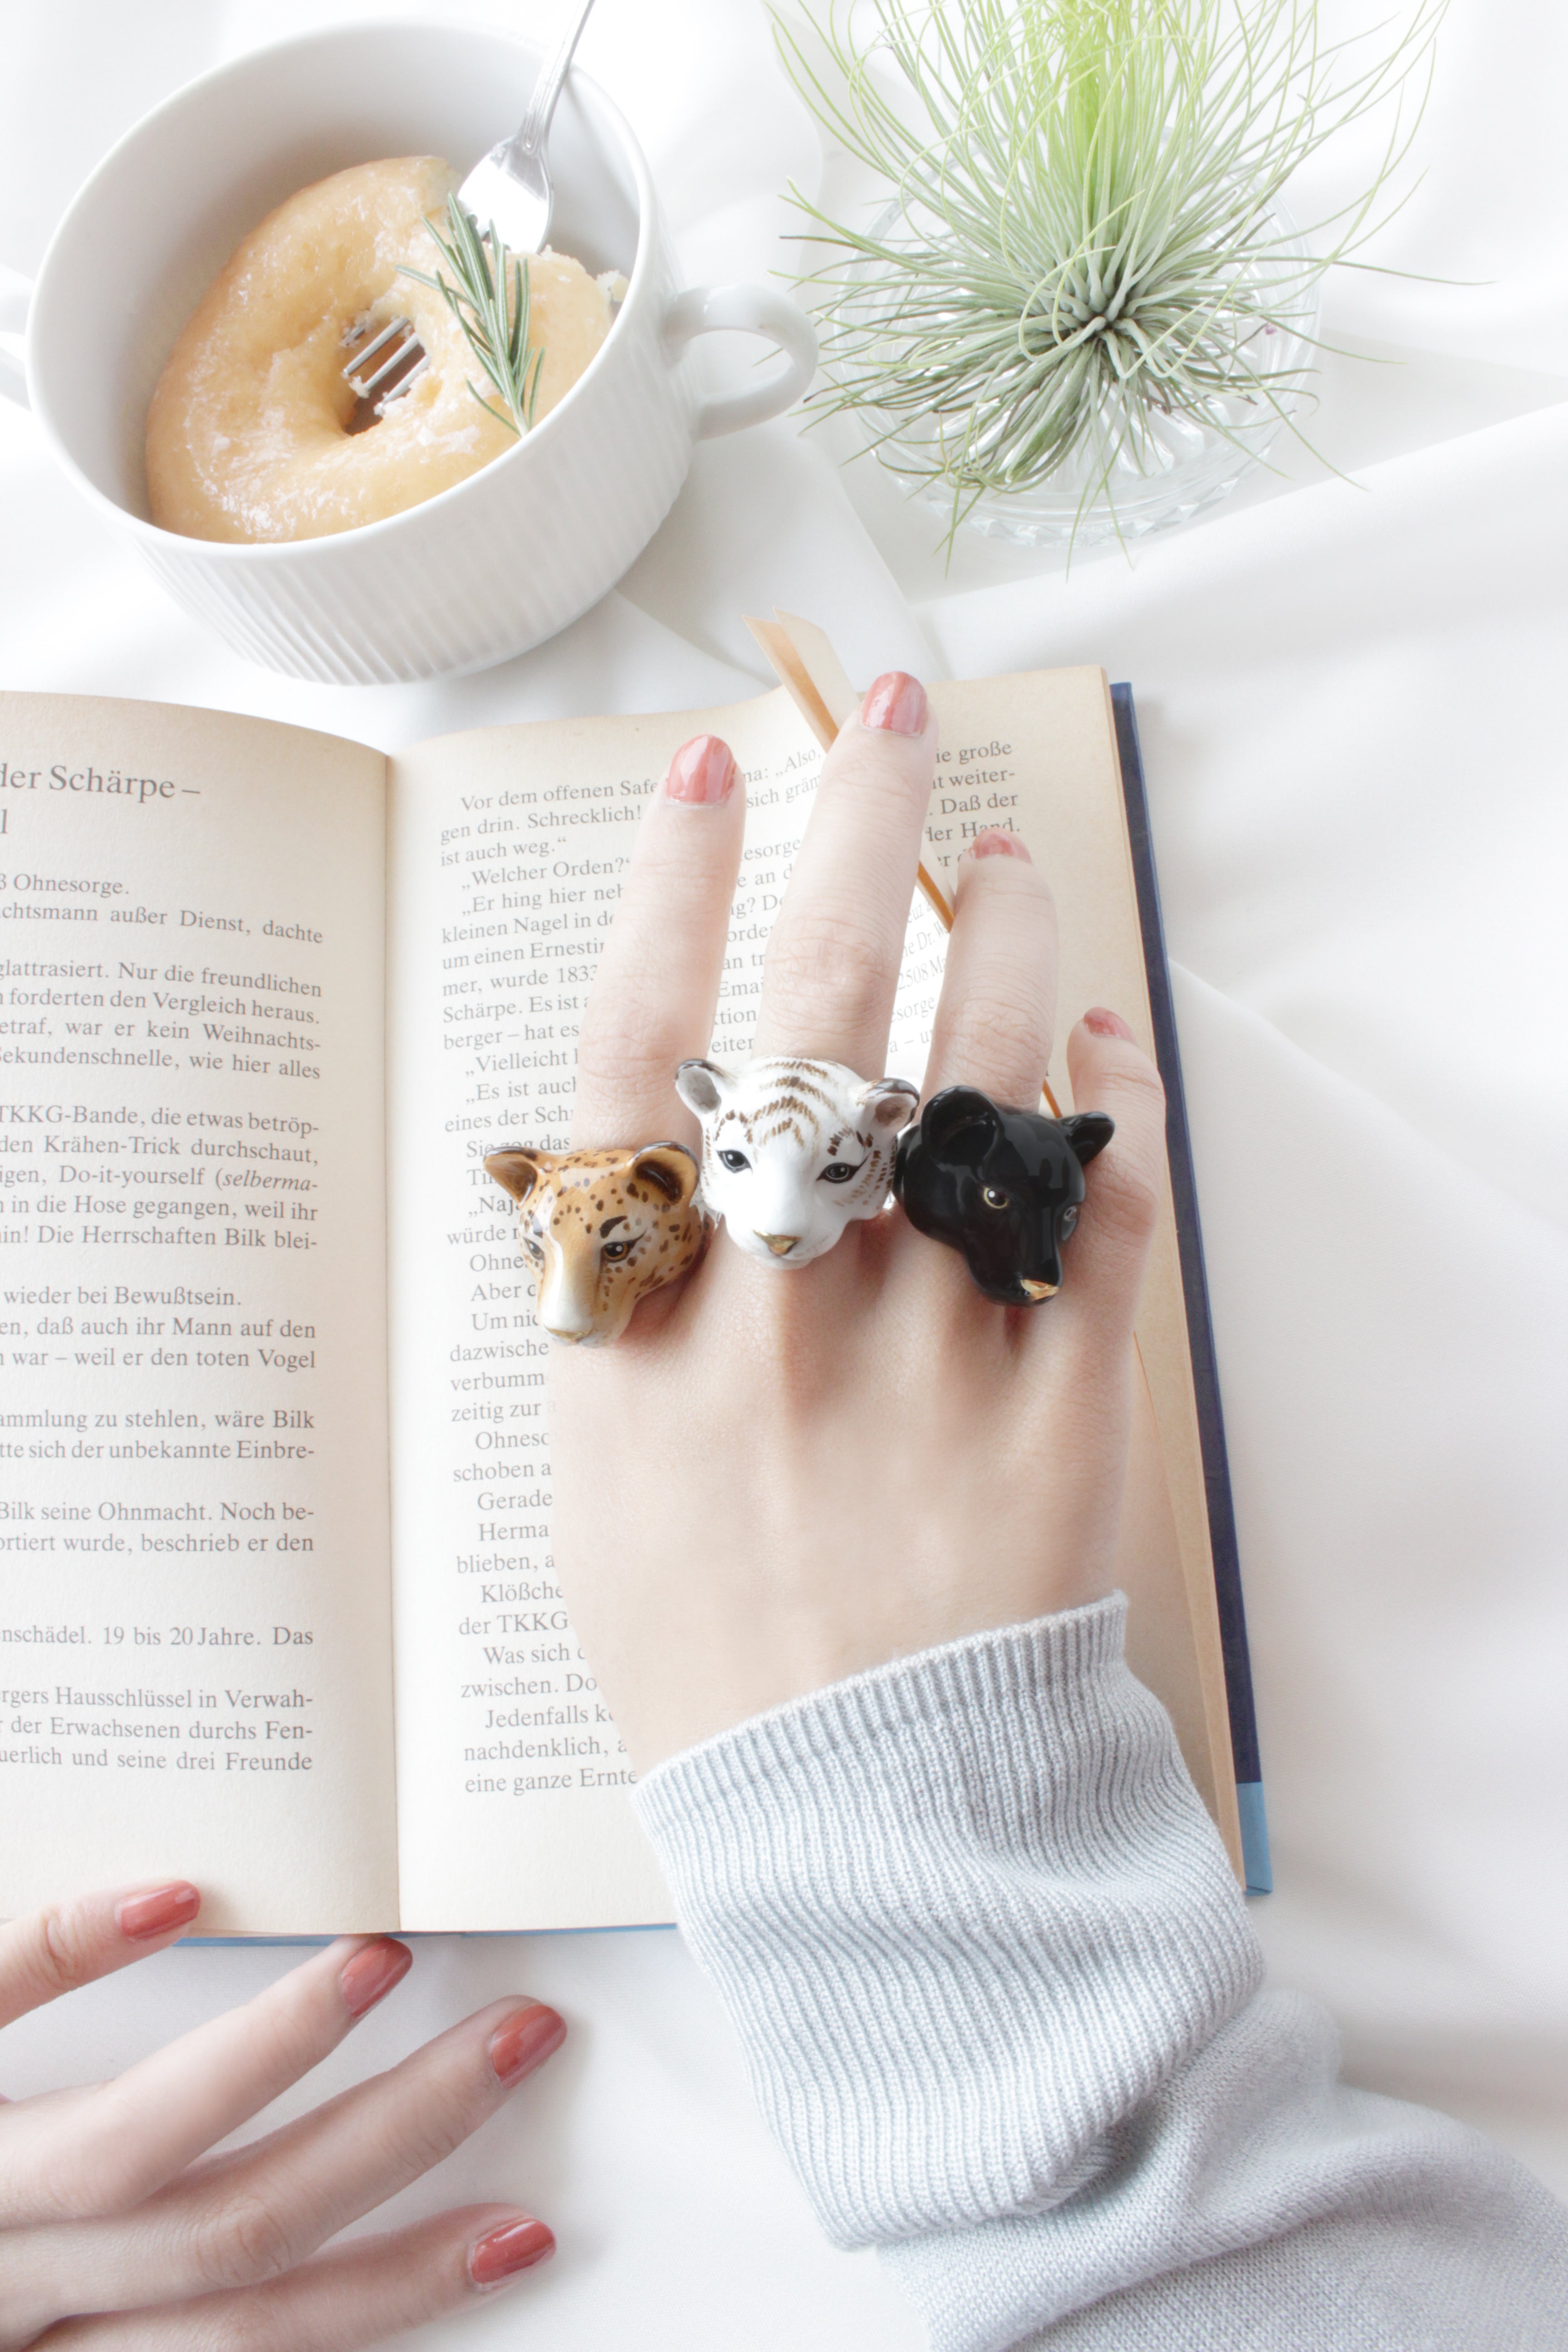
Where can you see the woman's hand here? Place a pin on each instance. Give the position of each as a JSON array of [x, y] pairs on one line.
[[118, 2229], [777, 1478]]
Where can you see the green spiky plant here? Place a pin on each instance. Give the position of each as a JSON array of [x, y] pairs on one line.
[[1083, 232], [488, 294]]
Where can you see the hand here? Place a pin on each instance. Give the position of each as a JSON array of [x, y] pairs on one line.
[[117, 2229], [777, 1478]]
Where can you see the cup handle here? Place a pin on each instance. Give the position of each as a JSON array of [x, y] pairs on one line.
[[15, 298], [754, 310]]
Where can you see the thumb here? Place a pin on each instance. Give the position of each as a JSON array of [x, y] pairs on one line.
[[1126, 1181]]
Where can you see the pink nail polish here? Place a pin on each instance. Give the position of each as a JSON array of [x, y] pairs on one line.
[[703, 772], [370, 1976], [1106, 1024], [897, 702], [1000, 844], [525, 2041], [515, 2246], [141, 1916]]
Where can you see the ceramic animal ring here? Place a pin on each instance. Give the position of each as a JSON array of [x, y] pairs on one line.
[[1003, 1186], [794, 1151], [604, 1229]]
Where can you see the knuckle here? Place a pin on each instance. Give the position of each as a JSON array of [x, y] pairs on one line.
[[245, 2239], [442, 2118], [235, 2323], [623, 1041], [64, 2189], [614, 1061], [1138, 1078], [1005, 1039], [291, 2031], [687, 865], [1125, 1190], [248, 2323], [264, 2320], [821, 961], [114, 2181], [1005, 879], [60, 1957], [877, 763]]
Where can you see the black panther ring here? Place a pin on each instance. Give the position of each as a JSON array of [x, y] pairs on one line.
[[1003, 1186]]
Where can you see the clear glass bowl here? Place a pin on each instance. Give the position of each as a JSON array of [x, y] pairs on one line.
[[1164, 468]]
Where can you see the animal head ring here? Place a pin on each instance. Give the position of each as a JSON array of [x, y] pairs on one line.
[[602, 1229], [794, 1151], [1004, 1186]]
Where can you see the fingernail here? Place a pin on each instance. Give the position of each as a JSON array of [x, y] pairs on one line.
[[515, 2246], [897, 701], [1106, 1024], [999, 844], [140, 1917], [703, 772], [525, 2041], [370, 1976]]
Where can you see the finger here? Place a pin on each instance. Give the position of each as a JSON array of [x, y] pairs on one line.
[[103, 2149], [998, 1008], [255, 2213], [833, 959], [654, 994], [53, 1950], [358, 2294], [1125, 1182]]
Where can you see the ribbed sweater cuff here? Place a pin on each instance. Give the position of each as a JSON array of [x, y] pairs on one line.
[[966, 1912]]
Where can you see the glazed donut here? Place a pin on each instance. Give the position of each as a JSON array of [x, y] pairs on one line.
[[247, 433]]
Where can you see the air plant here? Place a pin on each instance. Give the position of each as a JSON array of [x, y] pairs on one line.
[[489, 301], [1080, 229]]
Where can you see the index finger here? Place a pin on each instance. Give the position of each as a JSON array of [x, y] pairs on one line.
[[654, 994], [67, 1944]]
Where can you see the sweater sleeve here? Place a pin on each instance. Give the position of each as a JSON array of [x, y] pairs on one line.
[[999, 1999]]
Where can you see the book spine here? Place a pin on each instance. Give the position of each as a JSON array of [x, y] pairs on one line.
[[1200, 1324]]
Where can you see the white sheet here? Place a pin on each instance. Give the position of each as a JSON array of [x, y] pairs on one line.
[[1351, 709]]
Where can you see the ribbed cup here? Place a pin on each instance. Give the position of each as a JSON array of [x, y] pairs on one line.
[[487, 569]]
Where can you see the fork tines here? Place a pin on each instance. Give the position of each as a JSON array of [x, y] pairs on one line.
[[381, 370]]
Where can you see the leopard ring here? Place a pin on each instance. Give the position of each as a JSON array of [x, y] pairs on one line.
[[1004, 1186], [794, 1151], [602, 1229]]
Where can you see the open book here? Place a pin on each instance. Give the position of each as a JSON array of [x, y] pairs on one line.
[[278, 1609]]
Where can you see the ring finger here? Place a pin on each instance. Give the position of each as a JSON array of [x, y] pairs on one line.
[[997, 1008]]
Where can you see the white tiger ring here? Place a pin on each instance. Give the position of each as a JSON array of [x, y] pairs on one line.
[[794, 1151]]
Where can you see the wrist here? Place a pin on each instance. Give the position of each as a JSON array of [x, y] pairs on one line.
[[908, 1885]]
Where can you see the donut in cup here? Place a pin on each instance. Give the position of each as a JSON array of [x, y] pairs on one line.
[[247, 434]]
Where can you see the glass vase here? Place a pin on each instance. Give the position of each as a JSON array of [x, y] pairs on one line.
[[1142, 469]]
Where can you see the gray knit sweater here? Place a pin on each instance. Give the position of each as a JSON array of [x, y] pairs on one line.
[[1000, 2001]]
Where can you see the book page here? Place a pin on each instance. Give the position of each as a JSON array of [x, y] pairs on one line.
[[1038, 752], [507, 847], [195, 1605]]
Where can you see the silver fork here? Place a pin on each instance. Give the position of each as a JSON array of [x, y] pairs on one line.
[[397, 348], [510, 191]]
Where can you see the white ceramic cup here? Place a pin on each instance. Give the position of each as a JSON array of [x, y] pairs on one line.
[[502, 561]]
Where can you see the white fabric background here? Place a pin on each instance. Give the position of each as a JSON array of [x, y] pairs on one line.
[[1350, 699]]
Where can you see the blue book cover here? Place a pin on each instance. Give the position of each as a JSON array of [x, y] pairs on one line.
[[1200, 1324]]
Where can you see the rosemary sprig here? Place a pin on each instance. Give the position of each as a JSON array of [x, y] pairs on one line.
[[1082, 236], [491, 303]]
